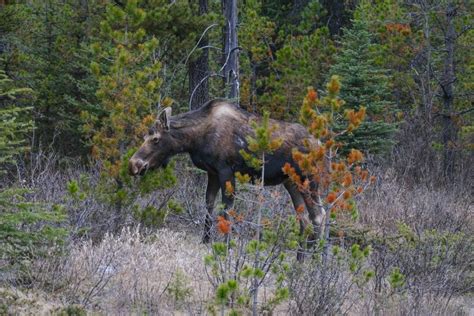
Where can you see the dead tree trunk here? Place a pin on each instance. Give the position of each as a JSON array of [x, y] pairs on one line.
[[199, 68], [449, 135], [231, 53]]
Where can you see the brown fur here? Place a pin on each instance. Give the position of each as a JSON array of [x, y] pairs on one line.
[[213, 135]]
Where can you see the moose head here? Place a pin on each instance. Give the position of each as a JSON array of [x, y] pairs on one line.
[[156, 148]]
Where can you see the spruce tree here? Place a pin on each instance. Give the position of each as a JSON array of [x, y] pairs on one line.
[[48, 54], [25, 228], [12, 128], [365, 84]]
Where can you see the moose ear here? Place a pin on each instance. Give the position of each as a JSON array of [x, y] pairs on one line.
[[164, 117]]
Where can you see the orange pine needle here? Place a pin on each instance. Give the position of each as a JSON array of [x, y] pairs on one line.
[[300, 209], [347, 195], [372, 179], [223, 225], [229, 188], [331, 197], [312, 94], [347, 181]]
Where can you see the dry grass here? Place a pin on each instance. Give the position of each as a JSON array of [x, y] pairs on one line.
[[17, 301], [422, 206], [426, 232], [162, 271], [160, 274]]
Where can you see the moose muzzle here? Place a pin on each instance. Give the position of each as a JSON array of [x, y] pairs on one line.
[[137, 166]]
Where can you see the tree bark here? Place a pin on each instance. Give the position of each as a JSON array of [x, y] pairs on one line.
[[231, 53], [199, 68], [447, 82], [337, 17]]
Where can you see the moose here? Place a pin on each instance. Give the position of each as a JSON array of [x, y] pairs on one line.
[[213, 135]]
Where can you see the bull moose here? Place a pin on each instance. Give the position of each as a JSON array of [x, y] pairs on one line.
[[213, 135]]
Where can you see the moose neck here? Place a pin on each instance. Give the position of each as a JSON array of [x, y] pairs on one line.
[[186, 132]]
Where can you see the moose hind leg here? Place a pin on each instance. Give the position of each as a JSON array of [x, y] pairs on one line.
[[315, 217], [298, 201], [316, 212], [211, 193]]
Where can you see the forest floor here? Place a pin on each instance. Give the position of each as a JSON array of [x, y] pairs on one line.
[[162, 271], [162, 275]]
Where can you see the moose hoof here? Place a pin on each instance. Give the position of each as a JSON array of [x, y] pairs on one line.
[[206, 238]]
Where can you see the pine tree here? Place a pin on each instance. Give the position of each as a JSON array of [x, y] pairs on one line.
[[255, 37], [126, 68], [365, 84], [302, 61], [128, 91], [330, 177], [282, 59], [388, 22]]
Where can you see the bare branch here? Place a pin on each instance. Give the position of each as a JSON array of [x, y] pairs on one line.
[[209, 46], [214, 74], [199, 84], [464, 30], [444, 114], [227, 58], [199, 41], [465, 111]]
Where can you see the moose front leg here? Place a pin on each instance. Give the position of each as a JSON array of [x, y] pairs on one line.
[[227, 182], [213, 187]]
